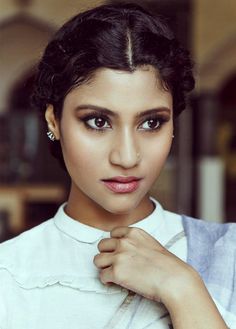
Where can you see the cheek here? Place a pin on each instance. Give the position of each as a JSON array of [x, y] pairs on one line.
[[157, 155], [80, 151]]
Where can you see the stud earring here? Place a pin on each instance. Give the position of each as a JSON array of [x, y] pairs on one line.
[[51, 136], [173, 136]]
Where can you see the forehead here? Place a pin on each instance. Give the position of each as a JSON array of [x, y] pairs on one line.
[[119, 90]]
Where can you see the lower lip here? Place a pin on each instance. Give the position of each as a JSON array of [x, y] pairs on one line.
[[119, 187]]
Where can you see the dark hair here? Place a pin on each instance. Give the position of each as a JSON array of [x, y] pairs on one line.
[[120, 37]]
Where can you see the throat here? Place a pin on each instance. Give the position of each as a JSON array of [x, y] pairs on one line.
[[88, 212]]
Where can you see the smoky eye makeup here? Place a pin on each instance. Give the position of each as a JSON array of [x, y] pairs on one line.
[[100, 120], [154, 122], [95, 120]]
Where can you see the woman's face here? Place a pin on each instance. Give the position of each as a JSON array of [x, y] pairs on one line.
[[116, 133]]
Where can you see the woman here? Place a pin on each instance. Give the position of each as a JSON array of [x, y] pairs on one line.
[[110, 85]]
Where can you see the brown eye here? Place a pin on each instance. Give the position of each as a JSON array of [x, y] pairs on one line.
[[151, 124], [100, 122], [97, 123]]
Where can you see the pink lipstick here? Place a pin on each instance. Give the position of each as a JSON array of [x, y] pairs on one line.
[[121, 184]]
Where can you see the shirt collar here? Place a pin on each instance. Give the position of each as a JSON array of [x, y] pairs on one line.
[[88, 234]]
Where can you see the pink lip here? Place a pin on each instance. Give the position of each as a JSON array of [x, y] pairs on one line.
[[122, 184]]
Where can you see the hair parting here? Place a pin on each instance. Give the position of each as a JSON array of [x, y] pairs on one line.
[[120, 37]]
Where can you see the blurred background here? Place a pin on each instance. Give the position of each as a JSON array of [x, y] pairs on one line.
[[200, 176]]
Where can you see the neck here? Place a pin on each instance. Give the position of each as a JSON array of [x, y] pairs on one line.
[[86, 211]]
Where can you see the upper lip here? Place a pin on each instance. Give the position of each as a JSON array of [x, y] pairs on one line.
[[122, 179]]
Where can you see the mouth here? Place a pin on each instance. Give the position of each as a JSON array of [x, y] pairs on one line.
[[122, 184]]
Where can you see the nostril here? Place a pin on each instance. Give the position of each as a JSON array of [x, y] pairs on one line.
[[125, 152]]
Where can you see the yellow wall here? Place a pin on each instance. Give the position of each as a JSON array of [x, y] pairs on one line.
[[52, 11], [214, 21], [22, 43], [57, 12], [214, 40]]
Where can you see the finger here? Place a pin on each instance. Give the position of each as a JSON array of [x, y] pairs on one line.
[[103, 260], [119, 232], [108, 244], [106, 275]]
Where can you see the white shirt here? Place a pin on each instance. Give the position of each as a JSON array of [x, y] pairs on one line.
[[48, 279]]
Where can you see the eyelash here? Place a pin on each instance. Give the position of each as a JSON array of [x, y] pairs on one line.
[[94, 116], [160, 120]]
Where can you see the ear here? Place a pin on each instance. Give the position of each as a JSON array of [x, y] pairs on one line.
[[53, 124]]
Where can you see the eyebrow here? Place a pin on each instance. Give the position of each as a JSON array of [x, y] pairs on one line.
[[95, 107], [106, 111]]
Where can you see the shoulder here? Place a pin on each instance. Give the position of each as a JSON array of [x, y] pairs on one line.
[[26, 254], [18, 259], [25, 244], [25, 240]]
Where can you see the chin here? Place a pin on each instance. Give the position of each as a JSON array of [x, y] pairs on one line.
[[120, 212], [122, 207]]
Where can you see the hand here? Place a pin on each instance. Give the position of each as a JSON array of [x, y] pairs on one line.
[[134, 260]]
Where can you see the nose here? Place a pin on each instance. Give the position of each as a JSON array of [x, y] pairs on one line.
[[124, 151]]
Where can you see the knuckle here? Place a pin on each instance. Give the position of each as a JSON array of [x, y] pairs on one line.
[[117, 274], [96, 259], [123, 244], [101, 244], [133, 232], [118, 259], [102, 277]]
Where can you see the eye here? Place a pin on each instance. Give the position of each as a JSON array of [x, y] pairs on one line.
[[151, 124], [98, 123]]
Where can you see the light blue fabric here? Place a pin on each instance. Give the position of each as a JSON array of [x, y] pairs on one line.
[[212, 252]]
